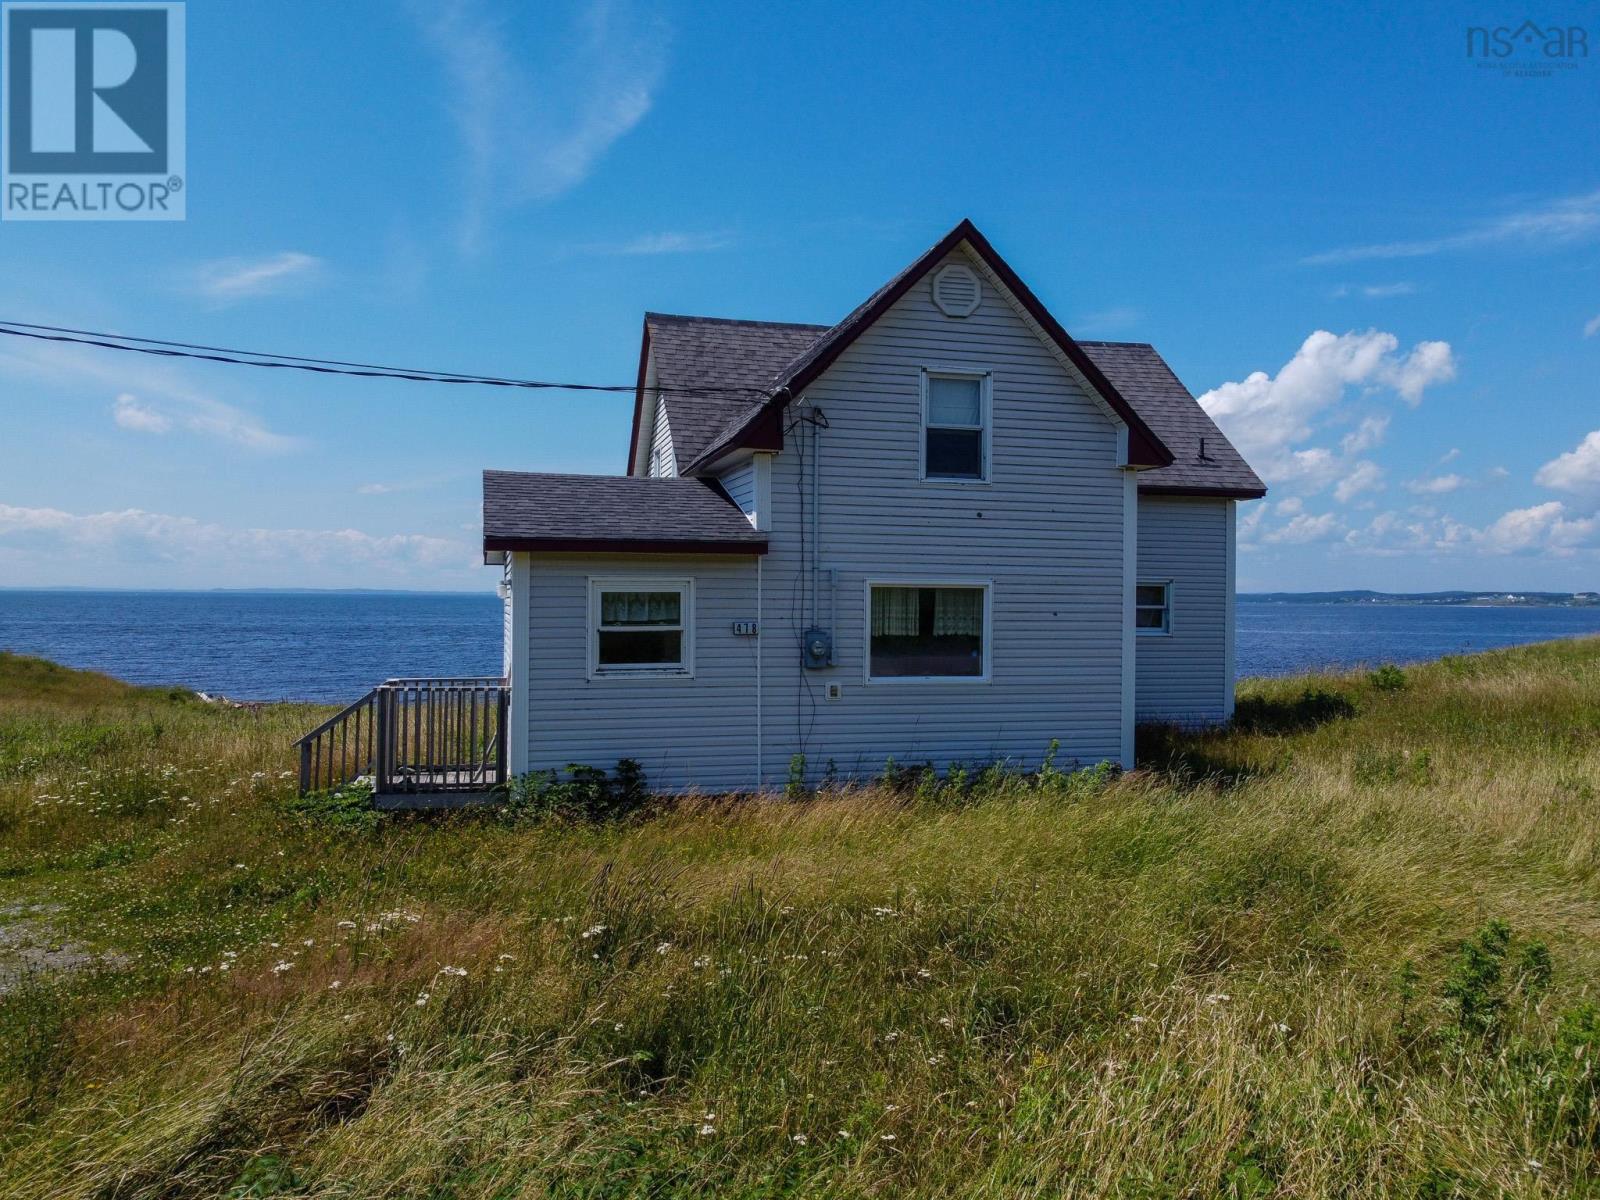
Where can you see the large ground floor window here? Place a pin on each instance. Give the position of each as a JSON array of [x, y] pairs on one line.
[[640, 627], [928, 631]]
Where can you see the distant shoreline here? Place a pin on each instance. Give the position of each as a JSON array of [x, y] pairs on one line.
[[1457, 599]]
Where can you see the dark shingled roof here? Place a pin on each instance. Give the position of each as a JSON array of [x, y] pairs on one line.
[[599, 513], [714, 353], [709, 352], [1146, 382]]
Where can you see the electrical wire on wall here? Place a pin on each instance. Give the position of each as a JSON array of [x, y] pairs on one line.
[[804, 723]]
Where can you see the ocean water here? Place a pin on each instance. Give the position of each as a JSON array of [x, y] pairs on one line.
[[334, 646]]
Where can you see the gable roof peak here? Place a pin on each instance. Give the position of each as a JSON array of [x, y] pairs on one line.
[[1145, 449]]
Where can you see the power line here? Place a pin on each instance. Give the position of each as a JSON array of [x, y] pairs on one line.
[[323, 366]]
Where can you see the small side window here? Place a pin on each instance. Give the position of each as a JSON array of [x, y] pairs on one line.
[[1153, 608]]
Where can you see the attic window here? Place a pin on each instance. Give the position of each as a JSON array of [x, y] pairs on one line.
[[956, 290]]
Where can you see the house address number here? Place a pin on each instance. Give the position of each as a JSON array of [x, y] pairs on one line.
[[744, 629]]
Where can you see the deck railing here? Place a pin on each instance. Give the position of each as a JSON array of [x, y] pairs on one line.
[[412, 736]]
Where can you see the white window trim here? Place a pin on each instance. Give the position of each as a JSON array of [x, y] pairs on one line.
[[1167, 587], [985, 414], [640, 583], [987, 587]]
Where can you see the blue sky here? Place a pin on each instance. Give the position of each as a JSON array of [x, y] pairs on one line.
[[1377, 260]]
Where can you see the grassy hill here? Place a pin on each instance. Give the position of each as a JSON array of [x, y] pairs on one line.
[[1347, 948]]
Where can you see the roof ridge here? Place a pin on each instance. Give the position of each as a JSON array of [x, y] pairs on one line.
[[660, 316], [1105, 342]]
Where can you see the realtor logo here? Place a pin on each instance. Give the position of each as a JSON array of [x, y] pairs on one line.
[[93, 122]]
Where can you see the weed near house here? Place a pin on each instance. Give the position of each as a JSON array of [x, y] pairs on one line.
[[1346, 948]]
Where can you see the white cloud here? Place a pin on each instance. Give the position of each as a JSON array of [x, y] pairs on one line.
[[1548, 528], [536, 115], [1288, 507], [1541, 527], [1591, 327], [135, 536], [1365, 476], [1450, 455], [130, 414], [1305, 528], [1366, 435], [1268, 416], [1576, 470], [233, 279], [376, 489], [1557, 222], [1436, 485], [672, 242]]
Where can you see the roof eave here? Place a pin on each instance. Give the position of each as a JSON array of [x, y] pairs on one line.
[[561, 545], [1222, 493]]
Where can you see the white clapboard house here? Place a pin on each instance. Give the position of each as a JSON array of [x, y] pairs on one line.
[[941, 530]]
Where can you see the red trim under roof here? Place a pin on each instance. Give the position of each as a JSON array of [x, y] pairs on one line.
[[560, 545], [1145, 449]]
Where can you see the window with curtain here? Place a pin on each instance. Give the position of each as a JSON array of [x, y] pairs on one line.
[[1152, 611], [954, 426], [640, 629], [926, 632]]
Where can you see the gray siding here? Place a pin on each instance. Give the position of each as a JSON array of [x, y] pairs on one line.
[[740, 483], [505, 605], [686, 732], [1183, 676], [661, 440], [1045, 532]]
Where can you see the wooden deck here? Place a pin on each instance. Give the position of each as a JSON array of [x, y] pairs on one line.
[[423, 743]]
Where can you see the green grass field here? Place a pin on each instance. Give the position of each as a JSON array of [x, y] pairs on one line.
[[1349, 948]]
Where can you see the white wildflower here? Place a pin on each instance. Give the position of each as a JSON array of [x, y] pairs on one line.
[[422, 998], [593, 931], [335, 986], [282, 966], [455, 972], [702, 961], [664, 948], [1218, 998], [707, 1130], [799, 1139], [886, 1137]]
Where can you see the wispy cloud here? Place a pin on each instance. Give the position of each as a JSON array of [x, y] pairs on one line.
[[672, 242], [149, 397], [130, 414], [1555, 222], [229, 280], [535, 115], [1108, 320], [1436, 485], [1374, 291], [1591, 327], [132, 536]]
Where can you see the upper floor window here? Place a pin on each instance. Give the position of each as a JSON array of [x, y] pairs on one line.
[[1153, 608], [955, 425]]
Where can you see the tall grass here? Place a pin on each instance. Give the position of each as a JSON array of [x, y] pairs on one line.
[[1342, 949]]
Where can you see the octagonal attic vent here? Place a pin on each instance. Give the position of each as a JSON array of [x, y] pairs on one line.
[[955, 290]]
